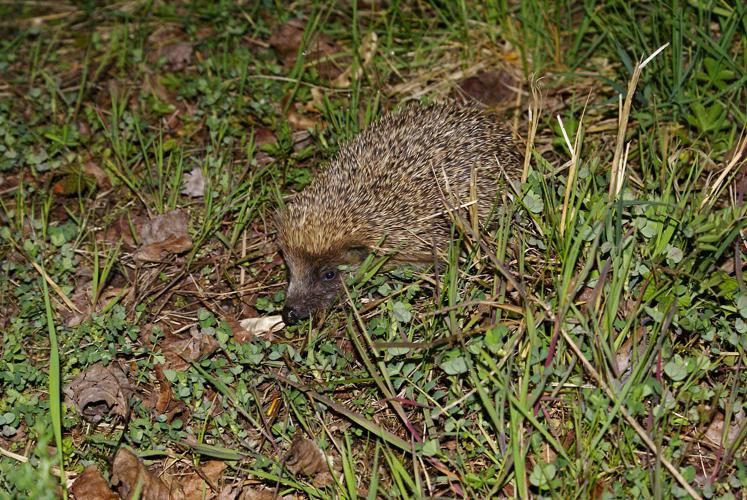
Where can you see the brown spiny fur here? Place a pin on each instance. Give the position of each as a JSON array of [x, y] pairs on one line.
[[388, 189]]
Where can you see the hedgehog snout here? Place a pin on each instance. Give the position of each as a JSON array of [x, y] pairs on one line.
[[293, 309], [291, 316]]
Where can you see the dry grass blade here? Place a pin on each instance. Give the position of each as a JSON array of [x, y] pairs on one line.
[[618, 165], [736, 161], [533, 115]]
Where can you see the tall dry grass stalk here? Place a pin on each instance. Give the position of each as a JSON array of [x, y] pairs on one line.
[[618, 161]]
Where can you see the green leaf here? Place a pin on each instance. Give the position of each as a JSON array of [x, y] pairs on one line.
[[676, 369], [455, 366], [401, 312], [674, 254], [430, 447], [542, 474], [494, 338], [533, 202], [741, 301]]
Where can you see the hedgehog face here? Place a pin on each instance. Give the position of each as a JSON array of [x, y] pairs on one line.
[[314, 282], [310, 289]]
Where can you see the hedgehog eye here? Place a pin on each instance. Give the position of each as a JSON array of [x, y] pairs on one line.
[[329, 275]]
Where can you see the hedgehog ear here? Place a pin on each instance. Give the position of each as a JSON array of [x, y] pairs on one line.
[[355, 254]]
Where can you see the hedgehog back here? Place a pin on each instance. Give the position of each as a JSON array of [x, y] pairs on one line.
[[390, 186]]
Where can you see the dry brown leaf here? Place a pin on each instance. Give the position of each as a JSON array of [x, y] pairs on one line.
[[264, 136], [163, 235], [177, 55], [195, 487], [100, 391], [179, 351], [305, 457], [287, 40], [488, 88], [128, 471], [94, 170], [118, 231], [249, 493], [194, 183], [716, 429], [91, 485], [165, 403], [301, 122], [161, 227]]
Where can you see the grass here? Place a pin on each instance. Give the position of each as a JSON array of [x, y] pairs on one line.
[[589, 344]]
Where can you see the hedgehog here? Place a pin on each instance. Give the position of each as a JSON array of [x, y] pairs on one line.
[[390, 190]]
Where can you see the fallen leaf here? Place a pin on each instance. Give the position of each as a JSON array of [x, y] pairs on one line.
[[164, 234], [488, 88], [159, 228], [118, 231], [287, 40], [81, 298], [249, 493], [194, 183], [91, 485], [199, 485], [716, 429], [165, 403], [262, 325], [94, 170], [179, 351], [305, 457], [100, 391], [299, 121], [129, 474], [177, 55]]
